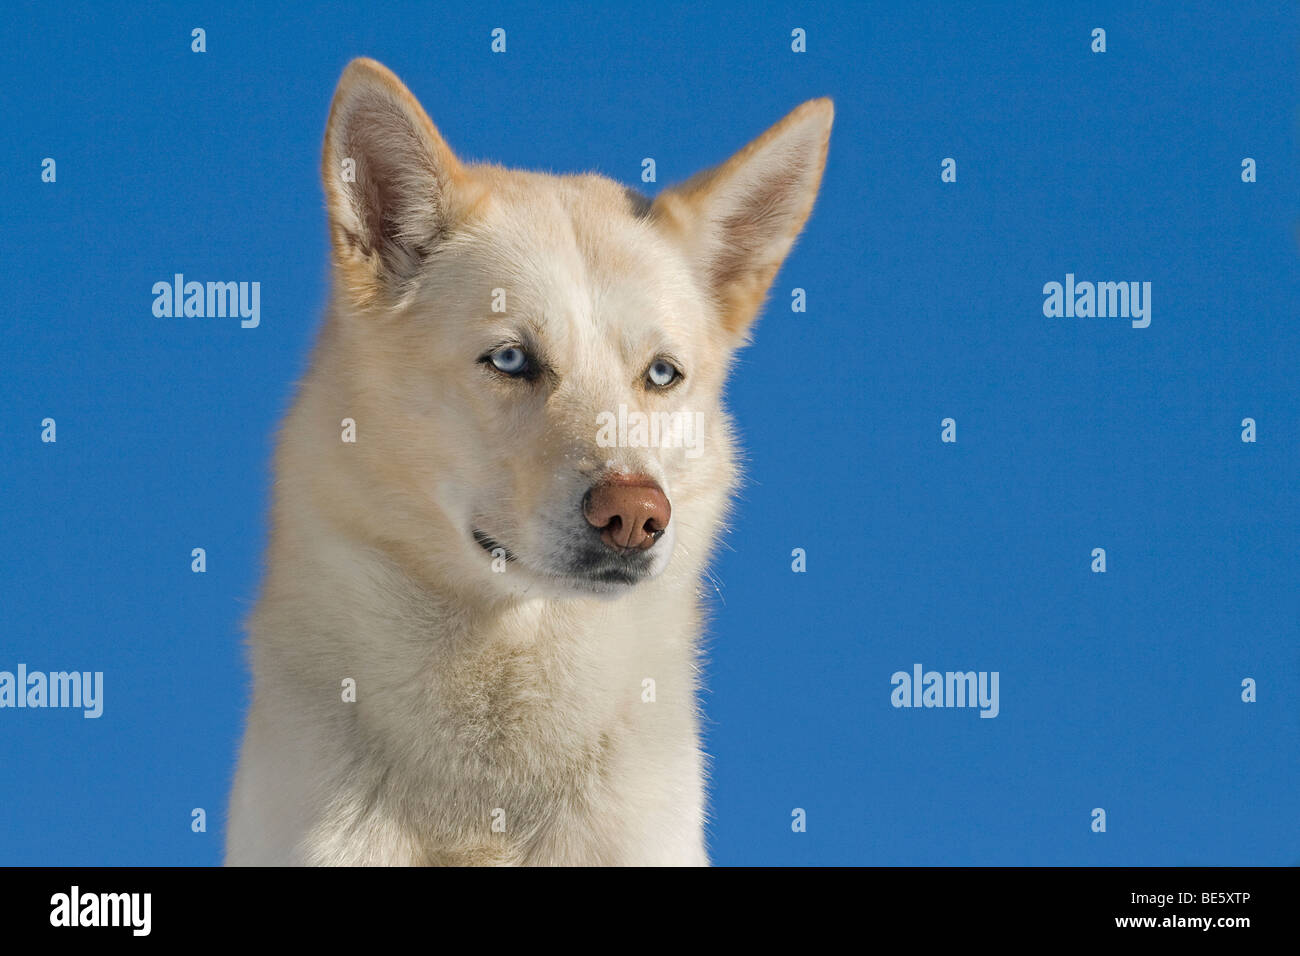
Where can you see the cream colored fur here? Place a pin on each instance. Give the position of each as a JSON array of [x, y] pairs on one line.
[[499, 716]]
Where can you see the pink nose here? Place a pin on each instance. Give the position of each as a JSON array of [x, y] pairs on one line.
[[630, 511]]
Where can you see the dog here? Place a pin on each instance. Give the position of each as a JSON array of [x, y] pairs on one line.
[[477, 638]]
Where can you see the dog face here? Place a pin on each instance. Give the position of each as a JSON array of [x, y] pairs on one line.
[[535, 362]]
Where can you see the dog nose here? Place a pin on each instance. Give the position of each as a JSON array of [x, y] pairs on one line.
[[630, 512]]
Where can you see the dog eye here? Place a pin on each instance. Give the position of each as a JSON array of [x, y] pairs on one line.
[[662, 373], [511, 360]]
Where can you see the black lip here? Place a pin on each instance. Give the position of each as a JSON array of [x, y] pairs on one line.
[[615, 576], [593, 565], [606, 567], [490, 544]]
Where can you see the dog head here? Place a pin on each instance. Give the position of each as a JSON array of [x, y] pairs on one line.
[[534, 363]]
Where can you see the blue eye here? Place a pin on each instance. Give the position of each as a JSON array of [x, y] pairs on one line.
[[511, 360], [662, 373]]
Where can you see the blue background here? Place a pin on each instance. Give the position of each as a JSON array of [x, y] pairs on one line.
[[1119, 690]]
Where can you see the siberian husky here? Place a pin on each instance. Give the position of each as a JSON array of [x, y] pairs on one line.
[[495, 498]]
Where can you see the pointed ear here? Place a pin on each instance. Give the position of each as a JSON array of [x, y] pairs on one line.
[[739, 220], [392, 185]]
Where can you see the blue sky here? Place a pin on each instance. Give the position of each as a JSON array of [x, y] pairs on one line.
[[1118, 690]]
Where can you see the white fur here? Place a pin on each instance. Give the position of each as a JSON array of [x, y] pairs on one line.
[[483, 697]]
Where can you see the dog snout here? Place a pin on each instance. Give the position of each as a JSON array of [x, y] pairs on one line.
[[630, 512]]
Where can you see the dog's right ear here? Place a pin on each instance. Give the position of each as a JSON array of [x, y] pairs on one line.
[[739, 220], [392, 185]]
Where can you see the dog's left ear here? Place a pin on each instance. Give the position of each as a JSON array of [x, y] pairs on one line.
[[739, 220], [393, 187]]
